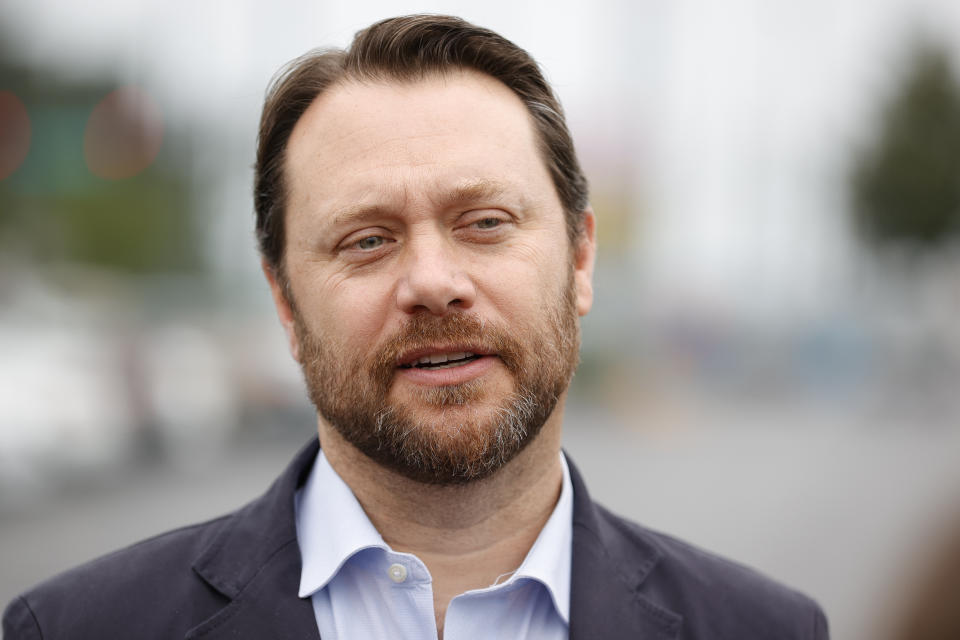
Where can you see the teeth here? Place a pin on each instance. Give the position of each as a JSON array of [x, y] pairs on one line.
[[440, 358]]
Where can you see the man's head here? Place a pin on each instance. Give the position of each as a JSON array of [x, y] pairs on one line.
[[425, 231]]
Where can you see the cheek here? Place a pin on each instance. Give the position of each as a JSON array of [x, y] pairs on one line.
[[360, 312], [348, 313], [517, 289]]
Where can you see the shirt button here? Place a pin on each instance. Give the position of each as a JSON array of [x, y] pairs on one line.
[[397, 572]]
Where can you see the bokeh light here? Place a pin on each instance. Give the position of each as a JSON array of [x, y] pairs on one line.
[[14, 133], [123, 135]]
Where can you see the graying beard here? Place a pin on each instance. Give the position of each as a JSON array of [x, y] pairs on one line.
[[456, 395], [427, 456]]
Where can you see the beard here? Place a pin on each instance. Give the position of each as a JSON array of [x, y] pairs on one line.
[[445, 435]]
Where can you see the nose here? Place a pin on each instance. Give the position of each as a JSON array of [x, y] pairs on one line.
[[433, 279]]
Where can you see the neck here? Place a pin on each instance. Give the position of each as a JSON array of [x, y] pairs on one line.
[[467, 535]]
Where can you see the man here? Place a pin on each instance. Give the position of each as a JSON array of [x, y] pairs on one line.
[[429, 247]]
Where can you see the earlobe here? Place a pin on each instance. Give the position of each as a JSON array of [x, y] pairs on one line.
[[584, 258], [283, 307]]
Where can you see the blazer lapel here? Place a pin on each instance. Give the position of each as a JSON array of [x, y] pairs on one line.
[[254, 560], [267, 608], [608, 570]]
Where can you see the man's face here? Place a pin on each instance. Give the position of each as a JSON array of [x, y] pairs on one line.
[[433, 291]]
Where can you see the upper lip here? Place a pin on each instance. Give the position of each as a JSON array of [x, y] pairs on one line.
[[410, 357]]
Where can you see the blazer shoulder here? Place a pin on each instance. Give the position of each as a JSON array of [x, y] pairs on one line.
[[717, 597], [127, 589], [164, 586]]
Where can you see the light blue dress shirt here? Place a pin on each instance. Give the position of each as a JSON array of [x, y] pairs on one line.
[[362, 589]]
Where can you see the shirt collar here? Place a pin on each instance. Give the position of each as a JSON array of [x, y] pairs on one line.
[[549, 559], [332, 527]]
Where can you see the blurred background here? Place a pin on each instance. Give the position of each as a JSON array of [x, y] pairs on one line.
[[772, 366]]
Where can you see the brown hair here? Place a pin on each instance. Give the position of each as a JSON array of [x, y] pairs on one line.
[[407, 48]]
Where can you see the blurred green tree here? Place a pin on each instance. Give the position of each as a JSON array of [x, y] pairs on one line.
[[56, 210], [906, 187]]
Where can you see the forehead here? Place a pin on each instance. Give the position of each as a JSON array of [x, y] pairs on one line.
[[361, 138]]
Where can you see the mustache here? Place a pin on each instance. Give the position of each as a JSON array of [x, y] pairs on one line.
[[461, 329]]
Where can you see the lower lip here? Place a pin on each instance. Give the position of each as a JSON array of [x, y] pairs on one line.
[[448, 376]]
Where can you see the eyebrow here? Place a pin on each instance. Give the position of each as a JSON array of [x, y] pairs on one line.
[[352, 213], [476, 190], [466, 192]]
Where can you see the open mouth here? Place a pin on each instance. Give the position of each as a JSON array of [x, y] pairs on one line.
[[442, 360]]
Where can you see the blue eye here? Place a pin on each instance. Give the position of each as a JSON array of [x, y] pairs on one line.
[[487, 223], [370, 242]]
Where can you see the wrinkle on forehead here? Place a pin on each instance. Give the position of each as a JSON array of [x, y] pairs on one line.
[[465, 192]]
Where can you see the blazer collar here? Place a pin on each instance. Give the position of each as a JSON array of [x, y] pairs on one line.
[[611, 562]]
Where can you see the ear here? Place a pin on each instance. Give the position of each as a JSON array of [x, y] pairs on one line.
[[585, 254], [283, 307]]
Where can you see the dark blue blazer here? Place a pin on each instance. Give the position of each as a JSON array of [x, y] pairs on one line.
[[237, 577]]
